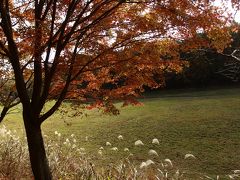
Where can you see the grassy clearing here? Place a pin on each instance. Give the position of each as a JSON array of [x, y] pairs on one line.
[[203, 123]]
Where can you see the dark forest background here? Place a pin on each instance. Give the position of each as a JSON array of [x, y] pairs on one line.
[[207, 67]]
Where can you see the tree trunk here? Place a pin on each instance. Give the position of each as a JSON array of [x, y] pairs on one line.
[[38, 158], [3, 113]]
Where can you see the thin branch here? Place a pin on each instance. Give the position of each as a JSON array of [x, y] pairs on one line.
[[13, 53], [64, 91]]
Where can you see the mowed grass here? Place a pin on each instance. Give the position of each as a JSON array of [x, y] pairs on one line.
[[203, 123]]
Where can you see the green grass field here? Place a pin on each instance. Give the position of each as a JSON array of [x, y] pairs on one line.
[[204, 123]]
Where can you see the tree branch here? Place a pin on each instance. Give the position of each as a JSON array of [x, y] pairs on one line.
[[13, 53]]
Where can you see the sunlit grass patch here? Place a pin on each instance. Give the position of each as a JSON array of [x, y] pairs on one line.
[[202, 123]]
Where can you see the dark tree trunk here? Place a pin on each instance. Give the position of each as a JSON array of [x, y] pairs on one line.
[[38, 158], [3, 113]]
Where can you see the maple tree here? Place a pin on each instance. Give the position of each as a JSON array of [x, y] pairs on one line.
[[55, 49]]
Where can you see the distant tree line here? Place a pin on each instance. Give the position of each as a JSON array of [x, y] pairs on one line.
[[208, 67]]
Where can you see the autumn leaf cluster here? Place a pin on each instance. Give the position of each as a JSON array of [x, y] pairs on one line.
[[104, 49]]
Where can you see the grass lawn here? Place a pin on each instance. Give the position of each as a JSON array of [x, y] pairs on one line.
[[204, 123]]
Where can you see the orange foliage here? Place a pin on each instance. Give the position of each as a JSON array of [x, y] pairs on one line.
[[101, 49]]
